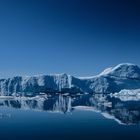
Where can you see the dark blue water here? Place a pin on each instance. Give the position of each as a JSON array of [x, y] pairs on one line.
[[69, 117]]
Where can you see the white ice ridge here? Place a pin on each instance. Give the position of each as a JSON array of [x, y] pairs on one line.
[[128, 95], [111, 80]]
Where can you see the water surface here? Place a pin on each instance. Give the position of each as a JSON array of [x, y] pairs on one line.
[[69, 117]]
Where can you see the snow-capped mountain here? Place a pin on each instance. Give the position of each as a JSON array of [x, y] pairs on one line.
[[111, 80]]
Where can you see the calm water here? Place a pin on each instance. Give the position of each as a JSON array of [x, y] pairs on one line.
[[61, 117]]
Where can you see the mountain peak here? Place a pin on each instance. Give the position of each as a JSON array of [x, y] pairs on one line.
[[124, 70]]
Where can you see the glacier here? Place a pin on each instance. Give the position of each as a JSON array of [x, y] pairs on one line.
[[124, 76]]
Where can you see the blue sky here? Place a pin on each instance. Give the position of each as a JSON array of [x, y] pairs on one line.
[[78, 37]]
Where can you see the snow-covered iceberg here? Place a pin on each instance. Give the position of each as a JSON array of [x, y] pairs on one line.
[[127, 95], [111, 80]]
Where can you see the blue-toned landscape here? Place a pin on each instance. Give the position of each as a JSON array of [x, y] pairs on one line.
[[69, 69], [69, 117], [65, 107]]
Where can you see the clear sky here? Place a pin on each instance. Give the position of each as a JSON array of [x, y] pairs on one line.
[[78, 37]]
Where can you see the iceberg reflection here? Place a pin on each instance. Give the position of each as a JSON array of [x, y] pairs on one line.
[[124, 112]]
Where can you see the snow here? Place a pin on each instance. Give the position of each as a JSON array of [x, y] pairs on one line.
[[114, 79], [128, 95], [106, 71], [124, 70]]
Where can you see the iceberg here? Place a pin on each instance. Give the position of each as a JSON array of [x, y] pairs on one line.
[[112, 80], [127, 95]]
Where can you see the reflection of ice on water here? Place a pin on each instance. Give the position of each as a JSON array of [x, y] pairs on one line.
[[7, 115], [122, 111], [62, 104]]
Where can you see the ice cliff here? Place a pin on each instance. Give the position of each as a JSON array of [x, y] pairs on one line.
[[111, 80]]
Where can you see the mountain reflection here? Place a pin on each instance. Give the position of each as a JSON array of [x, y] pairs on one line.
[[124, 112]]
